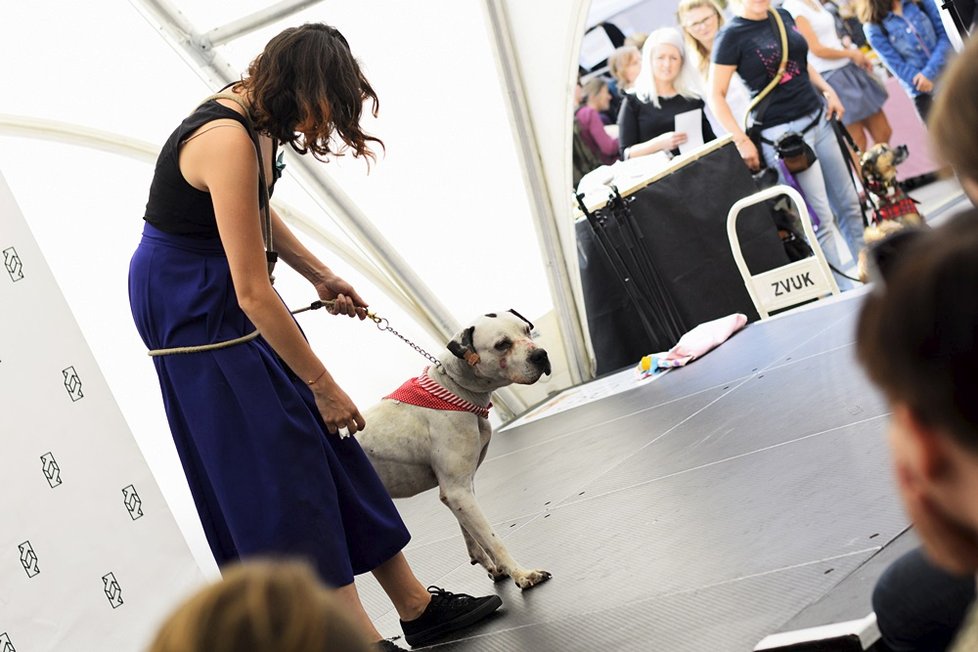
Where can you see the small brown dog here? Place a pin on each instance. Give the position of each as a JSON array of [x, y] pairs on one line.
[[895, 208]]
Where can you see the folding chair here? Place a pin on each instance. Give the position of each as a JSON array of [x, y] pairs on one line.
[[791, 284]]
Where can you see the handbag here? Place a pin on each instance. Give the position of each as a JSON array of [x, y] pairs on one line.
[[796, 154]]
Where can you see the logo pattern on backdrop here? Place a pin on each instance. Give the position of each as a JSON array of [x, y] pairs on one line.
[[51, 470], [72, 383], [11, 261], [133, 502], [112, 590], [5, 644], [28, 559]]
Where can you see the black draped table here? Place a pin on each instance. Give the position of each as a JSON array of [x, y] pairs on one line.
[[680, 213]]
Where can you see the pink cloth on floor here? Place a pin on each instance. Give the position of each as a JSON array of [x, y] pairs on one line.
[[695, 343]]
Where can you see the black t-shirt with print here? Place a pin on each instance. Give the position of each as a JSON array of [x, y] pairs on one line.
[[754, 47]]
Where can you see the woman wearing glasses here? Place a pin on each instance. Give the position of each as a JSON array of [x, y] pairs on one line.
[[700, 21]]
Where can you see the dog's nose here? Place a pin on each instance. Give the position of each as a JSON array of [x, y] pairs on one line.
[[540, 359]]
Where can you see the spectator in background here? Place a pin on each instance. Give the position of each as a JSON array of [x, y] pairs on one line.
[[954, 122], [918, 340], [262, 605], [847, 25], [918, 604], [583, 160], [802, 102], [665, 88], [846, 71], [637, 39], [596, 98], [701, 20], [910, 40], [624, 65]]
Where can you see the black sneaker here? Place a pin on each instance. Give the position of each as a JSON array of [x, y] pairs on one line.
[[386, 646], [446, 613]]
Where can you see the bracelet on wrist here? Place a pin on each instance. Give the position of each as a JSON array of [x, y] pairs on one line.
[[317, 378]]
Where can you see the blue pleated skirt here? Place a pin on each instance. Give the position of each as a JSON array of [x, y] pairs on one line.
[[266, 476], [861, 94]]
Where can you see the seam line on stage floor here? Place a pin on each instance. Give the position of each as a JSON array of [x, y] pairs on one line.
[[532, 516], [728, 459], [788, 363], [569, 433], [670, 594]]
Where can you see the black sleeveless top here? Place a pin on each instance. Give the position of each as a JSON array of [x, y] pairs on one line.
[[174, 205]]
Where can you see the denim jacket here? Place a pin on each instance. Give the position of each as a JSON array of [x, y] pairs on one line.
[[913, 43]]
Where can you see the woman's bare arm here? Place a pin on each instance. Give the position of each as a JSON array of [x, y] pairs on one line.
[[819, 49], [224, 160], [720, 76]]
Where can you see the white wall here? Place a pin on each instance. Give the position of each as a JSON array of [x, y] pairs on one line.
[[90, 556]]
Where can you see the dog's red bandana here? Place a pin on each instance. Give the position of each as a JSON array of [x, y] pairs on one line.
[[891, 211], [424, 392]]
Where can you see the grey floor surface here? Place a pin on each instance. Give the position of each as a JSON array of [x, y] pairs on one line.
[[702, 511], [745, 494]]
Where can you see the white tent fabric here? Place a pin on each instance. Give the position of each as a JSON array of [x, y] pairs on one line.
[[473, 191]]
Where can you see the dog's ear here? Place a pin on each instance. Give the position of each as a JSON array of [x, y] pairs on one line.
[[463, 349], [528, 322], [456, 349]]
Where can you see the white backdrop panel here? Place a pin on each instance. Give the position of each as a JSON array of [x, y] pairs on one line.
[[90, 555]]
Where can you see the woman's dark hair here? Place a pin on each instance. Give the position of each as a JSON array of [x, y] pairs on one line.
[[874, 11], [918, 331], [307, 77]]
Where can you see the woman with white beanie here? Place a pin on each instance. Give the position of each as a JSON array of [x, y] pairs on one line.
[[664, 89]]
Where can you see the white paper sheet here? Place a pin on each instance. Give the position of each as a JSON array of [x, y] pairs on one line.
[[691, 123]]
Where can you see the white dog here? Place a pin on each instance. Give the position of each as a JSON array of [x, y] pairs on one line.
[[441, 436]]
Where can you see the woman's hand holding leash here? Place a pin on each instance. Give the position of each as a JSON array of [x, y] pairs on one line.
[[345, 299]]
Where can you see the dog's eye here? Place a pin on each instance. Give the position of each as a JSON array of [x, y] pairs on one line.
[[503, 345]]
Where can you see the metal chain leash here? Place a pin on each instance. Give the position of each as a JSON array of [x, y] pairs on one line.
[[382, 324]]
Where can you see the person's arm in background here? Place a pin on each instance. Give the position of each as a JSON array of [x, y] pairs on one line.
[[720, 76], [628, 133], [817, 48], [935, 64], [595, 127], [888, 54]]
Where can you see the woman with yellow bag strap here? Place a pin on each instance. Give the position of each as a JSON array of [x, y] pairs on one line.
[[791, 106]]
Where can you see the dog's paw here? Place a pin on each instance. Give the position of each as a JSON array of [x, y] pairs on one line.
[[529, 578], [497, 575]]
